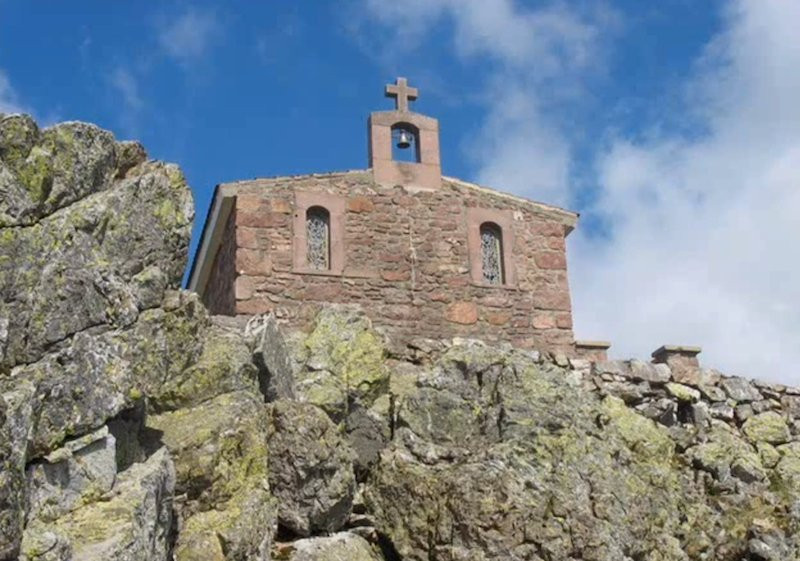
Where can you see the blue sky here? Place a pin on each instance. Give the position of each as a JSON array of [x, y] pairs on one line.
[[665, 123]]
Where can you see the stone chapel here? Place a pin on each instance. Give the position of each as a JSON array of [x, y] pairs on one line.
[[424, 255]]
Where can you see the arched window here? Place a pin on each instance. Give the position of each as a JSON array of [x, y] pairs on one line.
[[492, 253], [318, 238]]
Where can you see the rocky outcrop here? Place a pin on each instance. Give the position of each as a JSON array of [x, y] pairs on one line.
[[135, 426]]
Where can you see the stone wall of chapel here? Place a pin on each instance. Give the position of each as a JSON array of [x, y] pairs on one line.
[[219, 294], [407, 261]]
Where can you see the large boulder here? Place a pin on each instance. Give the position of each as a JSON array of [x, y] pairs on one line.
[[338, 547], [84, 468], [311, 469], [271, 354], [131, 522], [221, 462], [343, 361], [102, 239]]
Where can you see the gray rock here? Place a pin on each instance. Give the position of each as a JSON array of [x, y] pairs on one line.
[[368, 433], [740, 389], [743, 412], [82, 469], [272, 358], [221, 461], [12, 482], [661, 410], [649, 372], [722, 411], [345, 546], [713, 393], [619, 368], [96, 261], [132, 523], [700, 414], [311, 469]]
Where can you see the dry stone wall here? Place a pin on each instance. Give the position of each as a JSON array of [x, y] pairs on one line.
[[407, 260]]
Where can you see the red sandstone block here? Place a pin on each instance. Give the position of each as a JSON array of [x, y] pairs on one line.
[[325, 293], [495, 301], [261, 219], [244, 287], [391, 257], [548, 299], [548, 229], [252, 262], [253, 306], [543, 320], [250, 202], [281, 206], [465, 313], [564, 321], [360, 204], [498, 318], [457, 282], [405, 201], [247, 238], [395, 276], [440, 297], [551, 260], [557, 243]]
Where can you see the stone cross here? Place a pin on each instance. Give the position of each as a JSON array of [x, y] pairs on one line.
[[402, 93]]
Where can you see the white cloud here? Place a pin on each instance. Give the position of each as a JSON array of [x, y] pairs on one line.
[[188, 37], [9, 100], [539, 57], [126, 85], [704, 240]]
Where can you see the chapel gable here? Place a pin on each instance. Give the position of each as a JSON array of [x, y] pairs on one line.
[[423, 254]]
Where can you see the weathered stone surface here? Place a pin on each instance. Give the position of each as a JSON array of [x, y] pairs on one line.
[[221, 463], [272, 357], [505, 463], [12, 483], [338, 547], [344, 359], [649, 372], [682, 392], [83, 469], [767, 427], [111, 249], [311, 470], [112, 370], [368, 432], [131, 523], [740, 389], [223, 365]]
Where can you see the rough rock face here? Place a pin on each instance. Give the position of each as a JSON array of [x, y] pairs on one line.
[[311, 471], [133, 426]]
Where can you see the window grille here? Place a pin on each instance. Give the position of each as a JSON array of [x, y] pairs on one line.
[[318, 238]]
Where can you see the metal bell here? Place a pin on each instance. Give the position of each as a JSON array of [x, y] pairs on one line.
[[404, 140]]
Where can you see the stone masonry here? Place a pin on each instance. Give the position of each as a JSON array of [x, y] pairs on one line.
[[407, 261], [405, 245]]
